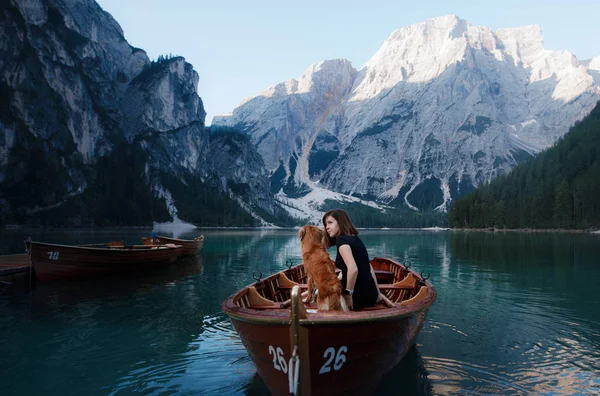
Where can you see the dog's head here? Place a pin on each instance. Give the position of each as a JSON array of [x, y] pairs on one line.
[[311, 236]]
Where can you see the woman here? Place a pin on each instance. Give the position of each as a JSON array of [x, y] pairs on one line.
[[358, 278]]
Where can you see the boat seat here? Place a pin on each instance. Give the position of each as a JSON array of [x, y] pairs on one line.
[[301, 285], [295, 274], [284, 282], [401, 290], [423, 292], [384, 276], [409, 282], [256, 301], [394, 287]]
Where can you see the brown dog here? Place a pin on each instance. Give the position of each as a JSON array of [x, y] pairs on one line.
[[320, 270]]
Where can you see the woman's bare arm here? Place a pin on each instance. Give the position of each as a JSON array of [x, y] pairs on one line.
[[346, 252]]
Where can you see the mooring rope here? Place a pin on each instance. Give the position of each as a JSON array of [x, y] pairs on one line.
[[294, 371], [294, 365]]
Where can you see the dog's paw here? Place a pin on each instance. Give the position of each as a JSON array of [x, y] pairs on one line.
[[348, 300], [308, 299]]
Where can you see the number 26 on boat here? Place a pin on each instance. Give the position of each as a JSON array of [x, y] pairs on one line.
[[332, 358]]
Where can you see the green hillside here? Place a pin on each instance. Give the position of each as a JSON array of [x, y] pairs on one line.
[[560, 188]]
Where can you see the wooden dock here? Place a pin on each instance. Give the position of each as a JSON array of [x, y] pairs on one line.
[[14, 264]]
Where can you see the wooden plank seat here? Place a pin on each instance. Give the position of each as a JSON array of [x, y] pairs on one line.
[[255, 301], [384, 276], [285, 283], [409, 282], [381, 287], [301, 285], [296, 274], [394, 287], [423, 292], [402, 290], [398, 292]]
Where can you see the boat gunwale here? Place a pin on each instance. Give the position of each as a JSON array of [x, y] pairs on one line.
[[185, 241], [113, 249], [281, 316]]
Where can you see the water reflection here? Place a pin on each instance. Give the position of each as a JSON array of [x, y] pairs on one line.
[[529, 308], [94, 331], [409, 377], [516, 314], [110, 286]]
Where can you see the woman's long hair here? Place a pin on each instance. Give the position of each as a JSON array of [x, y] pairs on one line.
[[344, 223]]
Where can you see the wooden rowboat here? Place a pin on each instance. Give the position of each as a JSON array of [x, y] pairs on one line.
[[309, 352], [190, 247], [51, 261]]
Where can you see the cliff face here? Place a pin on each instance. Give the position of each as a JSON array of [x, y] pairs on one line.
[[92, 131], [441, 108]]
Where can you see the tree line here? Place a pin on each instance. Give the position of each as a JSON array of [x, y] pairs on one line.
[[364, 216], [560, 188]]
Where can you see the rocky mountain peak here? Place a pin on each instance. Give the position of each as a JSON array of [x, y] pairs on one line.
[[440, 108], [162, 98], [326, 76], [416, 53], [331, 76], [94, 133], [523, 44]]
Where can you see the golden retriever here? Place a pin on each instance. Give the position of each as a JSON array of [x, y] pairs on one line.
[[320, 270]]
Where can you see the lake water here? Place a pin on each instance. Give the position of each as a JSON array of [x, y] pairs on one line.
[[516, 313]]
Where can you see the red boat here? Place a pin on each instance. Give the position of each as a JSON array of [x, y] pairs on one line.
[[190, 247], [309, 352], [51, 261]]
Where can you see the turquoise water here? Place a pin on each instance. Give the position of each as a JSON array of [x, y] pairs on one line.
[[516, 313]]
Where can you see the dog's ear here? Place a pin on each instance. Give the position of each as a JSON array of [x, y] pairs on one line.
[[301, 232]]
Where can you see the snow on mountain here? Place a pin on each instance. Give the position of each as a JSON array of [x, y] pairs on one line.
[[442, 107]]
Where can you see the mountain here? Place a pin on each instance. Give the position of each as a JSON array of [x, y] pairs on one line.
[[441, 108], [557, 189], [94, 133]]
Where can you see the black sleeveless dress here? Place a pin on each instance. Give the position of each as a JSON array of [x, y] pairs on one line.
[[365, 289]]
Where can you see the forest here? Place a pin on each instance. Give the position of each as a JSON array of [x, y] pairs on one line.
[[559, 188]]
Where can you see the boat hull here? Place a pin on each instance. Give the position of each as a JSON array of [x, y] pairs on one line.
[[189, 247], [343, 358], [339, 352], [52, 262]]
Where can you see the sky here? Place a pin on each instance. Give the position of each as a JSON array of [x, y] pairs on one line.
[[241, 48]]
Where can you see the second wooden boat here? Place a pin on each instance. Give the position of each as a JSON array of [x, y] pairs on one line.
[[309, 352], [52, 261], [189, 246]]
